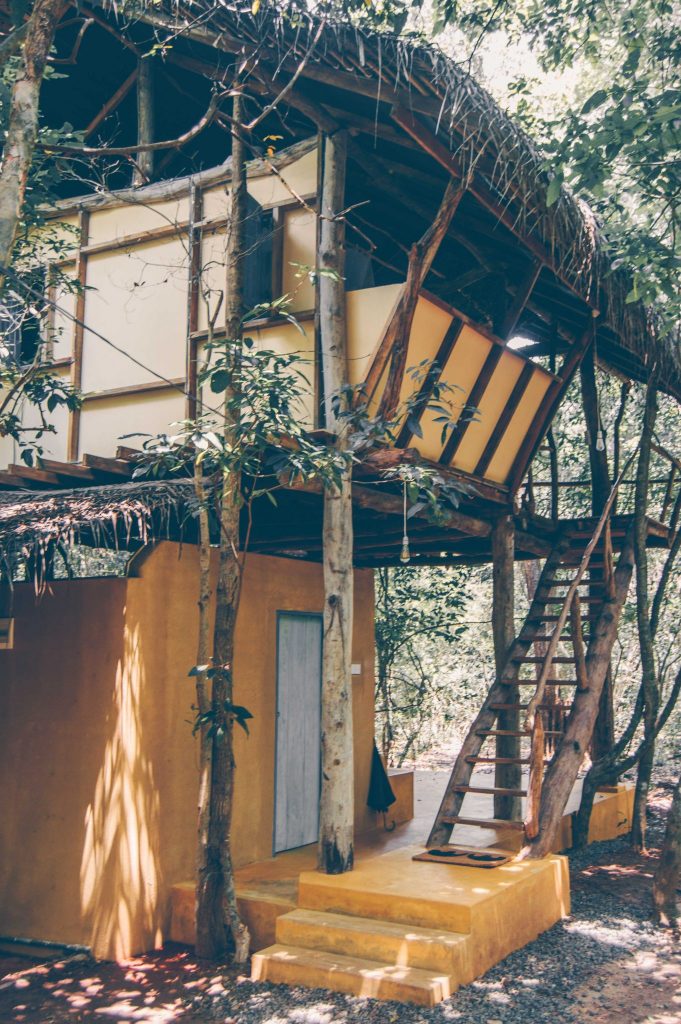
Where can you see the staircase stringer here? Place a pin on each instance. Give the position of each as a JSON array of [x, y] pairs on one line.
[[497, 694]]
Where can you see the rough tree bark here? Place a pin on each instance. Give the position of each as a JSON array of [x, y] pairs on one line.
[[604, 731], [506, 776], [336, 806], [144, 161], [22, 130], [220, 931], [563, 770], [668, 874], [649, 680]]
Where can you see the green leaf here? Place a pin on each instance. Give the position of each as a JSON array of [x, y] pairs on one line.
[[595, 100], [219, 381], [553, 191]]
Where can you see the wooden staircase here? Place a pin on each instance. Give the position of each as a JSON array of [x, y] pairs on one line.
[[575, 582]]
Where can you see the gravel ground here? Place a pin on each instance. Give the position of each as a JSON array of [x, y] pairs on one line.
[[606, 964]]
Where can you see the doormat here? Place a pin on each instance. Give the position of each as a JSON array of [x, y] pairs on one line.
[[466, 856]]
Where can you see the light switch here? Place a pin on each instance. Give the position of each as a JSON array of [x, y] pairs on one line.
[[356, 670]]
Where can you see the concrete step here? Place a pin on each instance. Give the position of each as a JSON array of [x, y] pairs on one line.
[[315, 968], [388, 942]]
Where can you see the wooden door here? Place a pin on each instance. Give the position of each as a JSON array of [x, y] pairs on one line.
[[298, 738]]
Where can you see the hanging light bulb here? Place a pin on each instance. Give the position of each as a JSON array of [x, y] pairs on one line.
[[600, 440], [405, 554]]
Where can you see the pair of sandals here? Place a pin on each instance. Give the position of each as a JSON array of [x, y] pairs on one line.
[[485, 858]]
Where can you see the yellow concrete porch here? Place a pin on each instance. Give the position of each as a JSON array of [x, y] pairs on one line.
[[395, 928]]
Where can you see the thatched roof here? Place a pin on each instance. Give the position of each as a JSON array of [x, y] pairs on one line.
[[365, 74], [120, 516]]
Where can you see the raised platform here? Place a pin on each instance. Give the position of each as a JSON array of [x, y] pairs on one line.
[[395, 928], [398, 929]]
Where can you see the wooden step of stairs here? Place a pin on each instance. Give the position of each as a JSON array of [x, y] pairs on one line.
[[490, 790], [497, 823], [315, 968]]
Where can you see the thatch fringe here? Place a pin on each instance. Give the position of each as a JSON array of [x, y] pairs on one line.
[[117, 517]]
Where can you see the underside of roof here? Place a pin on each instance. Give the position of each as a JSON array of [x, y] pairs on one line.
[[419, 116]]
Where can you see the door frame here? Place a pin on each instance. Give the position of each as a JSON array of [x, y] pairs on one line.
[[291, 613]]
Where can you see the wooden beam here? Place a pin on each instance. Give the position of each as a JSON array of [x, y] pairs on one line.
[[514, 400], [193, 298], [73, 437], [144, 161], [111, 104], [447, 346], [477, 391], [520, 299]]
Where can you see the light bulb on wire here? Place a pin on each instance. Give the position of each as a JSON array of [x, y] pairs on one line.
[[405, 554]]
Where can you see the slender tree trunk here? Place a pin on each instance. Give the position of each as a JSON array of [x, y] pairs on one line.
[[22, 130], [604, 731], [563, 770], [337, 801], [222, 932], [506, 776], [651, 691], [668, 874]]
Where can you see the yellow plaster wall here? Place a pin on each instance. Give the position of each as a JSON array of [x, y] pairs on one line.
[[133, 217], [521, 421], [99, 767]]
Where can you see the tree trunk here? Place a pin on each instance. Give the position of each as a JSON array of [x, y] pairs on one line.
[[562, 772], [604, 731], [651, 692], [221, 931], [22, 130], [506, 776], [144, 162], [668, 874], [337, 800]]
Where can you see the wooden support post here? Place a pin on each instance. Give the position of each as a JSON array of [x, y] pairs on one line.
[[193, 296], [336, 808], [507, 776], [73, 438], [145, 121]]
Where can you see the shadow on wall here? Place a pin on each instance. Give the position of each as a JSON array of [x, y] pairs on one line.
[[120, 872]]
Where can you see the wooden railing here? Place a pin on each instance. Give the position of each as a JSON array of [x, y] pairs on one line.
[[543, 496]]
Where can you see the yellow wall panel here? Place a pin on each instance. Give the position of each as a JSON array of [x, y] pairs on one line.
[[213, 277], [490, 408], [461, 372], [104, 422], [60, 334], [117, 222], [53, 444], [300, 247], [138, 300], [368, 311], [501, 464]]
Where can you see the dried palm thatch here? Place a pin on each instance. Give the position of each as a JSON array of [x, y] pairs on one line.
[[122, 516], [285, 45]]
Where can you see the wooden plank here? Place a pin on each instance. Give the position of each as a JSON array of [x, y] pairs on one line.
[[73, 437], [536, 778], [477, 391], [175, 384], [33, 474], [277, 252], [497, 823], [514, 400], [447, 346], [110, 467]]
